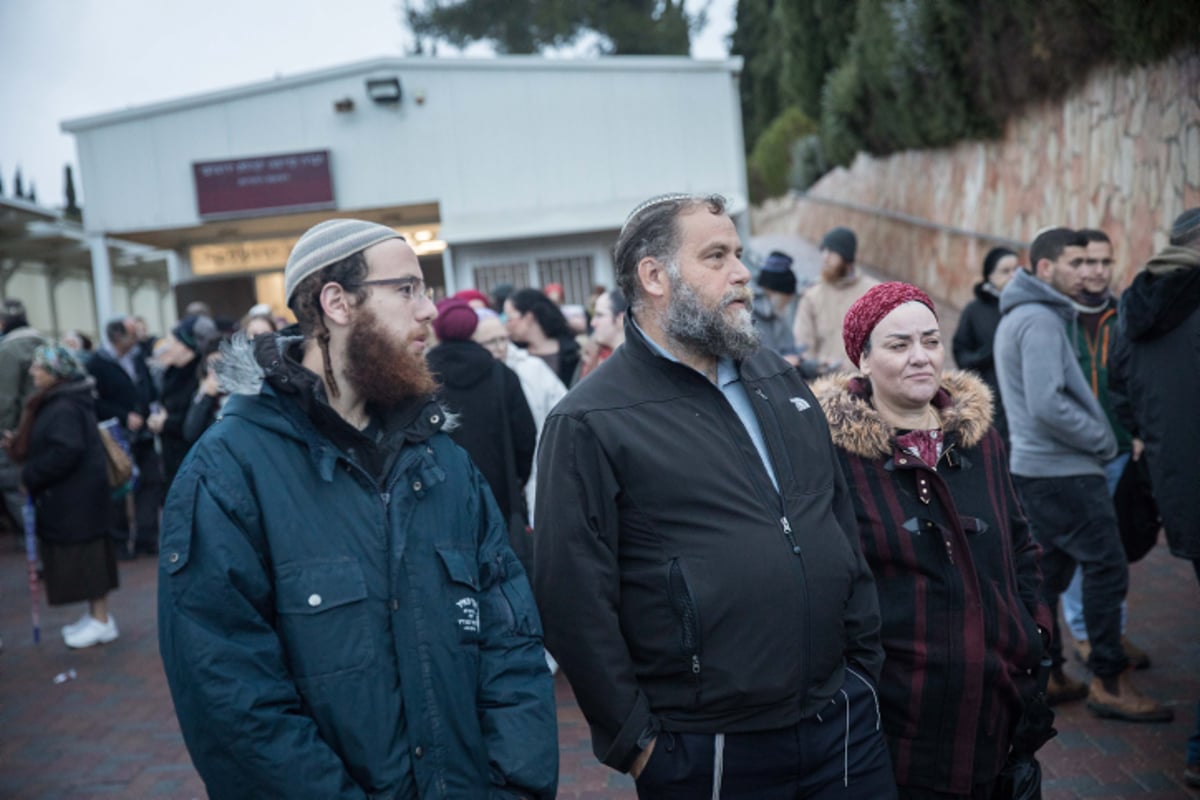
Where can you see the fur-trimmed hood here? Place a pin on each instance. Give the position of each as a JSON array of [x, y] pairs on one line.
[[964, 402]]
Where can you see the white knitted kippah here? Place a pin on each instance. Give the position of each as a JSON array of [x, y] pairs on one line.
[[327, 243]]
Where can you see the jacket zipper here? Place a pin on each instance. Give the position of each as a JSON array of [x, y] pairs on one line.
[[784, 524], [684, 605]]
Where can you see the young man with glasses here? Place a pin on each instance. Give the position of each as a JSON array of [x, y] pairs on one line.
[[1061, 440], [340, 613]]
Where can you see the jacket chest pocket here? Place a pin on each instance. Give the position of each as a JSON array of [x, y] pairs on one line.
[[462, 571], [323, 617]]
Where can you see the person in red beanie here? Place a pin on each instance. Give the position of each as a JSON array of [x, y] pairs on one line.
[[495, 425], [954, 561]]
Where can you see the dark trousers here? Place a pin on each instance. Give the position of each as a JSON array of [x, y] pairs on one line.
[[147, 496], [147, 502], [1073, 520], [840, 753]]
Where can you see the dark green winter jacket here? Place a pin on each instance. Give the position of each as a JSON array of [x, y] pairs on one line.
[[326, 636]]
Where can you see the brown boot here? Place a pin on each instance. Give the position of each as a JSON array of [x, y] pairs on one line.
[[1062, 688], [1125, 702], [1137, 656]]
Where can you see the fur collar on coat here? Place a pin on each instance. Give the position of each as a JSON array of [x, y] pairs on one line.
[[964, 402]]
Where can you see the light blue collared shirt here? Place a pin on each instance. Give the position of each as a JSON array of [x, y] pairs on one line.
[[734, 391]]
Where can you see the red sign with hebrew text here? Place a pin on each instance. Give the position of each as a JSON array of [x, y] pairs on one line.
[[246, 186]]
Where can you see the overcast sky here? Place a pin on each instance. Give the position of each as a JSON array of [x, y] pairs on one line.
[[62, 59]]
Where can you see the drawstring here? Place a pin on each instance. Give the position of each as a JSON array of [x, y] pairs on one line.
[[718, 764], [873, 694], [846, 744]]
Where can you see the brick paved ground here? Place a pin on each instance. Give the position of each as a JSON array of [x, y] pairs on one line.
[[111, 732]]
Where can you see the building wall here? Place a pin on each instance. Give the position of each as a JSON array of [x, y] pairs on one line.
[[1122, 153], [510, 148]]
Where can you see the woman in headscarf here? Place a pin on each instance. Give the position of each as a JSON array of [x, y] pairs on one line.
[[963, 624], [64, 471]]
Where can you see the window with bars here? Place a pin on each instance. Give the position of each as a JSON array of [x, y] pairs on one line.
[[489, 276], [574, 273]]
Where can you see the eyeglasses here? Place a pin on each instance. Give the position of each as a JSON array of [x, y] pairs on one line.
[[409, 288], [1098, 262]]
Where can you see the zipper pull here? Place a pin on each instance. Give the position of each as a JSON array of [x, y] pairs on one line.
[[949, 551], [695, 664], [787, 531], [759, 392]]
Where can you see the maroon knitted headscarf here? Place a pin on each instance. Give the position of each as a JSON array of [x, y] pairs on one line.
[[873, 306]]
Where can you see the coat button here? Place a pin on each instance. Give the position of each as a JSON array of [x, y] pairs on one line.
[[314, 600], [435, 419], [416, 486], [173, 558], [904, 461], [420, 751]]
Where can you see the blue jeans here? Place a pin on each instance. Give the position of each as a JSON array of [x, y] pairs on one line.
[[1072, 518], [840, 753], [1072, 598]]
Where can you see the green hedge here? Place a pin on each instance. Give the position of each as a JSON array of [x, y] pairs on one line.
[[889, 75]]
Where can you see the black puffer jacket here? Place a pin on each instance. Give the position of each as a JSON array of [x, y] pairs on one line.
[[66, 472], [470, 388], [1160, 316], [973, 346]]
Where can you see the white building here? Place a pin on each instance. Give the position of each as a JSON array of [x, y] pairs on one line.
[[514, 169]]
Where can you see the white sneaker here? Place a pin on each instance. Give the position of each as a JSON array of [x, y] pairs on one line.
[[77, 624], [92, 632]]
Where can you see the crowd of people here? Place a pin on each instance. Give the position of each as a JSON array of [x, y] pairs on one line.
[[778, 546]]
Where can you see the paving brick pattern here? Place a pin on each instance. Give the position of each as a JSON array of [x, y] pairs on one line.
[[111, 731]]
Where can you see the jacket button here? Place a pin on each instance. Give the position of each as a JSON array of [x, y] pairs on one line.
[[435, 419], [416, 486], [420, 751], [904, 461], [314, 600], [395, 604], [173, 558]]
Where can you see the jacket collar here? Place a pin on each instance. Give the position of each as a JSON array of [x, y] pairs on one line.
[[963, 401]]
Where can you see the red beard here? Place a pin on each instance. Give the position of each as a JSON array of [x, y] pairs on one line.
[[382, 371]]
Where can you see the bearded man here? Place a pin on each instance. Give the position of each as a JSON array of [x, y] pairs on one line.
[[697, 562], [340, 615]]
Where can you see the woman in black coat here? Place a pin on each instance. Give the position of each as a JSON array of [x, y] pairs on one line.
[[495, 425], [182, 354], [65, 472], [977, 327]]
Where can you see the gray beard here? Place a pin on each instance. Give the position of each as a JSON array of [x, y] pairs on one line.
[[708, 331]]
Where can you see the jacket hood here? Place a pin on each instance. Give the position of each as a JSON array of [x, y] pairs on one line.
[[1163, 294], [964, 402], [986, 293], [247, 365], [1025, 288], [461, 365]]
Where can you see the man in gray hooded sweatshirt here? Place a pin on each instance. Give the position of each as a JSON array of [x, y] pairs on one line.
[[1061, 439]]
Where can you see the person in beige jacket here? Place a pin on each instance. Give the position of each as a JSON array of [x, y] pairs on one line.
[[818, 326]]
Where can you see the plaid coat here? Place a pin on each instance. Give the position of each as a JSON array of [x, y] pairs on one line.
[[958, 581]]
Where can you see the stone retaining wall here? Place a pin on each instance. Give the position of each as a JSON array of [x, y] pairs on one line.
[[1121, 154]]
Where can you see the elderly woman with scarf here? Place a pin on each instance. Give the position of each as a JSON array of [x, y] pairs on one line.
[[955, 566], [63, 469]]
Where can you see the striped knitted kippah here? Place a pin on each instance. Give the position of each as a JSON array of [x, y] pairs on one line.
[[328, 243]]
